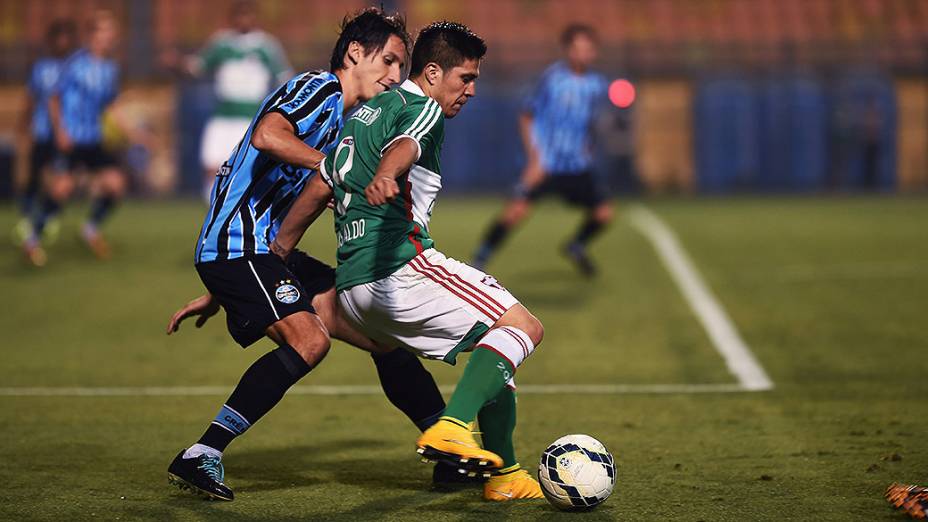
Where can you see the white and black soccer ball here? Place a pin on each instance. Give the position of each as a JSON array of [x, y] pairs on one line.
[[577, 472]]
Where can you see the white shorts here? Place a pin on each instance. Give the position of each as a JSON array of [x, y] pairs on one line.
[[220, 136], [433, 305]]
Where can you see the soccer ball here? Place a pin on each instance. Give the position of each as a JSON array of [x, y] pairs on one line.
[[576, 473]]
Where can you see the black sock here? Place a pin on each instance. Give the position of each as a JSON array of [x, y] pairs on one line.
[[588, 230], [491, 241], [100, 209], [31, 196], [47, 210], [410, 387], [262, 386]]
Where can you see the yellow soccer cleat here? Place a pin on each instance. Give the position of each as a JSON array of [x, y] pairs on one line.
[[34, 253], [95, 242], [450, 440], [511, 483], [897, 494]]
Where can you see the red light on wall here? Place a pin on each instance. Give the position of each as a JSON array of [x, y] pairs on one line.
[[622, 93]]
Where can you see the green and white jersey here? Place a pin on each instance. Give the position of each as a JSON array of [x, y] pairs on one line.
[[245, 67], [375, 241]]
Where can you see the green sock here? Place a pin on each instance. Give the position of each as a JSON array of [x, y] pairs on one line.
[[497, 421], [485, 375]]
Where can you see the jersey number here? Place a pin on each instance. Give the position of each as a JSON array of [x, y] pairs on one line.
[[346, 147]]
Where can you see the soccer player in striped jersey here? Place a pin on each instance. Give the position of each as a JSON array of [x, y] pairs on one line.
[[556, 128], [60, 41], [292, 302], [87, 85], [395, 286]]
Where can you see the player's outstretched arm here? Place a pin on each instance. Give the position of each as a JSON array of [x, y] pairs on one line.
[[204, 306], [276, 136], [533, 173], [62, 140], [307, 207], [396, 161]]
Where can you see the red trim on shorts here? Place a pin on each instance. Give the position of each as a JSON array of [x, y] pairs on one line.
[[517, 338], [490, 302], [468, 289], [448, 287], [497, 352]]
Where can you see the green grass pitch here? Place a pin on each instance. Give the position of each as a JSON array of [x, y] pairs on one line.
[[830, 294]]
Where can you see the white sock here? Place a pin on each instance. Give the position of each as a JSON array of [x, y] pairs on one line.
[[509, 342], [199, 449]]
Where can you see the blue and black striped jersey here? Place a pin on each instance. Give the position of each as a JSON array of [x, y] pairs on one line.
[[42, 81], [563, 105], [253, 191], [86, 86]]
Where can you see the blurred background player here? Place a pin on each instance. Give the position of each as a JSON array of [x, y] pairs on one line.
[[87, 85], [556, 128], [245, 64], [60, 40]]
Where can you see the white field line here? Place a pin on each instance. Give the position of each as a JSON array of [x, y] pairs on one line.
[[348, 390], [722, 332]]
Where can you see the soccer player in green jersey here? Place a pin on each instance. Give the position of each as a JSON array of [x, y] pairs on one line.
[[395, 286], [245, 64]]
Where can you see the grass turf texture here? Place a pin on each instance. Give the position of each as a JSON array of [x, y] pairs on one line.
[[829, 294]]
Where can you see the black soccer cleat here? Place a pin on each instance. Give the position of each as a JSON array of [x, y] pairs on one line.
[[201, 475], [576, 252], [448, 478]]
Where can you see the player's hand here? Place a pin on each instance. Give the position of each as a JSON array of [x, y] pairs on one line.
[[381, 189], [204, 307], [533, 174], [63, 141], [279, 250]]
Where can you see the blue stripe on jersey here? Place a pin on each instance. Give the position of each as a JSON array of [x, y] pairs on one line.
[[563, 105], [253, 191], [42, 81], [87, 85]]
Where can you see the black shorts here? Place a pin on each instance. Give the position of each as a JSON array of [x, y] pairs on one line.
[[42, 154], [258, 290], [89, 157], [582, 189]]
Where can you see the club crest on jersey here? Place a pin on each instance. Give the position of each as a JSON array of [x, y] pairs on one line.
[[366, 115], [286, 293]]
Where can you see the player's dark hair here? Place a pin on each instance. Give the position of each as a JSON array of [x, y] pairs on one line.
[[572, 31], [447, 44], [240, 7], [61, 27], [371, 28]]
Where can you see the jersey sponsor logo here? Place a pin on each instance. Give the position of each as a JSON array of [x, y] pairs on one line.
[[286, 293], [224, 170], [366, 115]]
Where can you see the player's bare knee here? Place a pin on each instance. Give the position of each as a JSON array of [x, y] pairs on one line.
[[519, 317], [534, 329], [515, 213], [603, 213], [305, 333], [115, 184], [312, 346]]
